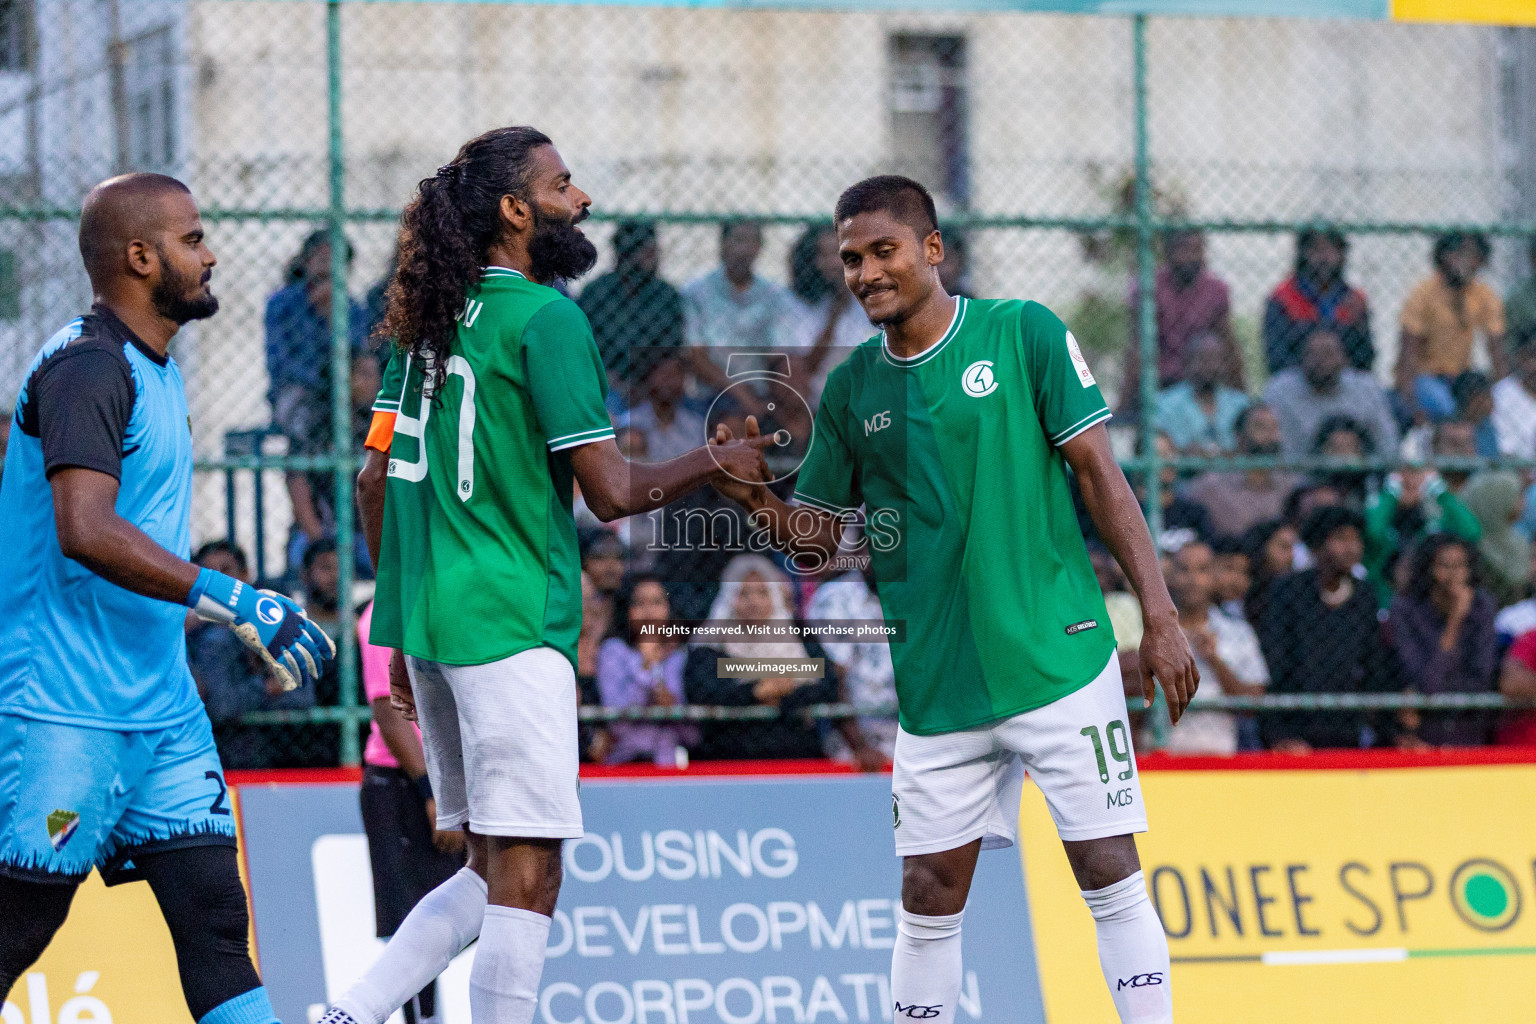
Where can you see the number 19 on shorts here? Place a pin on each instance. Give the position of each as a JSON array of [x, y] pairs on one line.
[[1118, 739]]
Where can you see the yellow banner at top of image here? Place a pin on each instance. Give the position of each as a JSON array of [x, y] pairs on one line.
[[1403, 895], [1493, 12]]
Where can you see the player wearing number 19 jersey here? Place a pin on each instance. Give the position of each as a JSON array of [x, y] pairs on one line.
[[953, 430]]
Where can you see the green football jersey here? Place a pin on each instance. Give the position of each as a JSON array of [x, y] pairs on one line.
[[972, 534], [480, 558]]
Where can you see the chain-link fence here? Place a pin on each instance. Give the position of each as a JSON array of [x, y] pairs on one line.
[[1069, 154]]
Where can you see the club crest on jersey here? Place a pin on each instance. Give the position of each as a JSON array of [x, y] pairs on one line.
[[978, 379], [61, 826]]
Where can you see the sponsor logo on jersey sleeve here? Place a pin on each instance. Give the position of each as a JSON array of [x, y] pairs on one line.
[[1084, 374], [978, 380]]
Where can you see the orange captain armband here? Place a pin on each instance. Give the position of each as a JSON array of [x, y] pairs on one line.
[[380, 432]]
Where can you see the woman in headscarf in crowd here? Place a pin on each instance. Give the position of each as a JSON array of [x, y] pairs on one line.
[[1442, 628], [634, 670], [1495, 499], [754, 590]]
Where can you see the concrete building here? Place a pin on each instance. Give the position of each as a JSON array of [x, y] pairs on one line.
[[696, 112]]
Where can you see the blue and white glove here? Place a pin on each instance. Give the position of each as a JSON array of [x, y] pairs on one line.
[[294, 648]]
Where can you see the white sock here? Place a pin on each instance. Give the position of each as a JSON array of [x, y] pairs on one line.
[[1133, 951], [439, 927], [925, 968], [504, 984]]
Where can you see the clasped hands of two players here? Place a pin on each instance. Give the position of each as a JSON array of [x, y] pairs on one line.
[[741, 462], [293, 648]]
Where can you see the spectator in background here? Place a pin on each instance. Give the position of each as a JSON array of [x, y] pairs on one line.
[[1517, 678], [1495, 499], [230, 678], [731, 307], [828, 323], [1518, 619], [868, 674], [593, 740], [312, 494], [320, 580], [1319, 634], [1413, 503], [1271, 548], [1199, 413], [1474, 407], [1520, 303], [1189, 301], [1231, 576], [298, 350], [637, 318], [298, 341], [635, 671], [753, 588], [1226, 651], [1239, 501], [1179, 513], [409, 857], [1323, 386], [375, 300], [1454, 439], [602, 565], [1442, 628], [669, 426], [1441, 320], [1514, 402], [1316, 295], [1342, 439], [1306, 498]]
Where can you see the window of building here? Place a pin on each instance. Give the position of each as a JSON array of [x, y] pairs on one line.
[[929, 113], [15, 35], [150, 80]]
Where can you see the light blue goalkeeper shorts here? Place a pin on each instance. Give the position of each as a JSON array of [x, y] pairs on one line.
[[73, 798]]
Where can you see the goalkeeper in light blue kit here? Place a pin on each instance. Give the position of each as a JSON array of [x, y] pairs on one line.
[[107, 759]]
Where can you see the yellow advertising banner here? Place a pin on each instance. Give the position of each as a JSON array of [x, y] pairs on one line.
[[111, 963], [1389, 895], [1492, 12]]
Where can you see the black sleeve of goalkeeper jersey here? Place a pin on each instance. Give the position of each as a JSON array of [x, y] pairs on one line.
[[84, 399]]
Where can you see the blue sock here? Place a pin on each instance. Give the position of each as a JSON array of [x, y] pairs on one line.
[[253, 1007]]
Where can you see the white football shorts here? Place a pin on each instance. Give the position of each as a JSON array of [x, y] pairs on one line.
[[500, 743], [951, 789]]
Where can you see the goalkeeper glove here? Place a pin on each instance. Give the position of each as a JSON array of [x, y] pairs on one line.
[[294, 648]]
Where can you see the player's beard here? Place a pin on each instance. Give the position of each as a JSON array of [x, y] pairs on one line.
[[558, 249], [179, 298]]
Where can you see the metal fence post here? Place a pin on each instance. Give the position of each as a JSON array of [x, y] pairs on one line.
[[341, 391], [1146, 310], [1146, 315]]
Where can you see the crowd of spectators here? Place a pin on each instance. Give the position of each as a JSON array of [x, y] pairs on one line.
[[1369, 572]]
